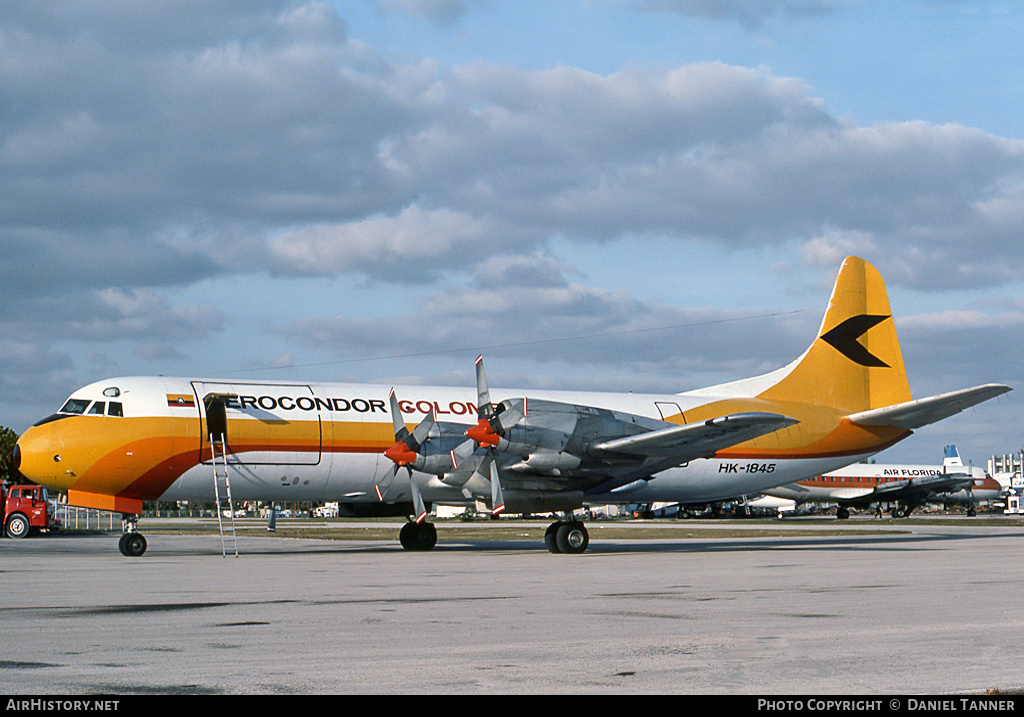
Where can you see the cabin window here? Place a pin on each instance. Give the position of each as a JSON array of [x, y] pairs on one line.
[[114, 409], [97, 409]]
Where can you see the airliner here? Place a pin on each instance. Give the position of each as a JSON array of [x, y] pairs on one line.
[[904, 487], [118, 442]]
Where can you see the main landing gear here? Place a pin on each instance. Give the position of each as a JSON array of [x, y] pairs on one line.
[[567, 536], [132, 544], [564, 536]]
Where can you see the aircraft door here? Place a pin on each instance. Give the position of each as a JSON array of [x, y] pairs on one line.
[[216, 415], [265, 424]]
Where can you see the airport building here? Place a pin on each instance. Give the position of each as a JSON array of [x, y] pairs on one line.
[[1008, 463], [1008, 469]]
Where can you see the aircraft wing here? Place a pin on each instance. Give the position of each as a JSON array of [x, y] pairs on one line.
[[913, 489], [696, 440], [924, 411], [925, 485]]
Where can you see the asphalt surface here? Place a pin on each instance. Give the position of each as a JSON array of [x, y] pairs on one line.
[[930, 609]]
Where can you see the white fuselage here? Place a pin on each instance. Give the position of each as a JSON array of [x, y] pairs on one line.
[[338, 472]]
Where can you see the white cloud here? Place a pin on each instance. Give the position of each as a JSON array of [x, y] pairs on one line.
[[119, 314], [279, 143], [406, 247], [526, 306]]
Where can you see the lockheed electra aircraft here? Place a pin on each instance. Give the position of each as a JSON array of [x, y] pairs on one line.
[[903, 487], [119, 442]]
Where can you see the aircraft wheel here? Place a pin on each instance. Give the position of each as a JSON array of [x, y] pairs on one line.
[[572, 538], [971, 512], [132, 545], [17, 527], [418, 536], [426, 537], [550, 537], [405, 535], [842, 513]]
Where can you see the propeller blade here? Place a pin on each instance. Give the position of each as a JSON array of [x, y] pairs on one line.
[[513, 414], [417, 500], [396, 417], [422, 430], [497, 499], [381, 487], [465, 463], [483, 394], [462, 453]]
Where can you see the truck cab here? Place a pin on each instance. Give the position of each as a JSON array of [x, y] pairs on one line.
[[27, 510]]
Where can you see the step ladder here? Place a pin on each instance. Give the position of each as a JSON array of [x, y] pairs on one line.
[[222, 493]]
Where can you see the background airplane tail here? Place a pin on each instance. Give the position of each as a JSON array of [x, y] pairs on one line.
[[855, 364], [952, 458]]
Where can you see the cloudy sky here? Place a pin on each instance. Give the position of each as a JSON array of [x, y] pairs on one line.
[[649, 195]]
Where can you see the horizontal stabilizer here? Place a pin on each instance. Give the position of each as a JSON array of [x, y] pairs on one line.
[[924, 411], [697, 440]]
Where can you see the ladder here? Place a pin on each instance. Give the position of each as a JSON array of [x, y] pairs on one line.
[[222, 493]]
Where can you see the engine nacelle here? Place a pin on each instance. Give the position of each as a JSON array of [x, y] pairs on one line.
[[549, 462], [518, 501]]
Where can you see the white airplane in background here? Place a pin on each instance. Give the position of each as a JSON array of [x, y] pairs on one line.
[[906, 487], [122, 441]]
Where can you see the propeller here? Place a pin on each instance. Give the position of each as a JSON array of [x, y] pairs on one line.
[[405, 453], [489, 432], [490, 428]]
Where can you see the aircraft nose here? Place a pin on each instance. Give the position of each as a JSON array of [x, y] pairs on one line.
[[37, 457]]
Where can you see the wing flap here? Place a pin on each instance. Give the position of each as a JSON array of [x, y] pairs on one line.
[[696, 440], [924, 411]]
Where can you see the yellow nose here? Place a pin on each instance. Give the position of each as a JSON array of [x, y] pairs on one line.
[[39, 458]]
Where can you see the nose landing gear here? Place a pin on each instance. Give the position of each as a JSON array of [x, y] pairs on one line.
[[132, 544]]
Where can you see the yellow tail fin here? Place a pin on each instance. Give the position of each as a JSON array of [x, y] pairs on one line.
[[855, 364]]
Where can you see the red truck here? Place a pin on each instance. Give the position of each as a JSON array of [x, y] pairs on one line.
[[27, 510]]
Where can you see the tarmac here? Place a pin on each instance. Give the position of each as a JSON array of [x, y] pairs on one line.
[[882, 607]]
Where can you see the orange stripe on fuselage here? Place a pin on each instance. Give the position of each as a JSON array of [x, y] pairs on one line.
[[105, 456]]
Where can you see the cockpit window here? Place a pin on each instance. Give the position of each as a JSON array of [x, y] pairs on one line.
[[75, 406], [82, 406]]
